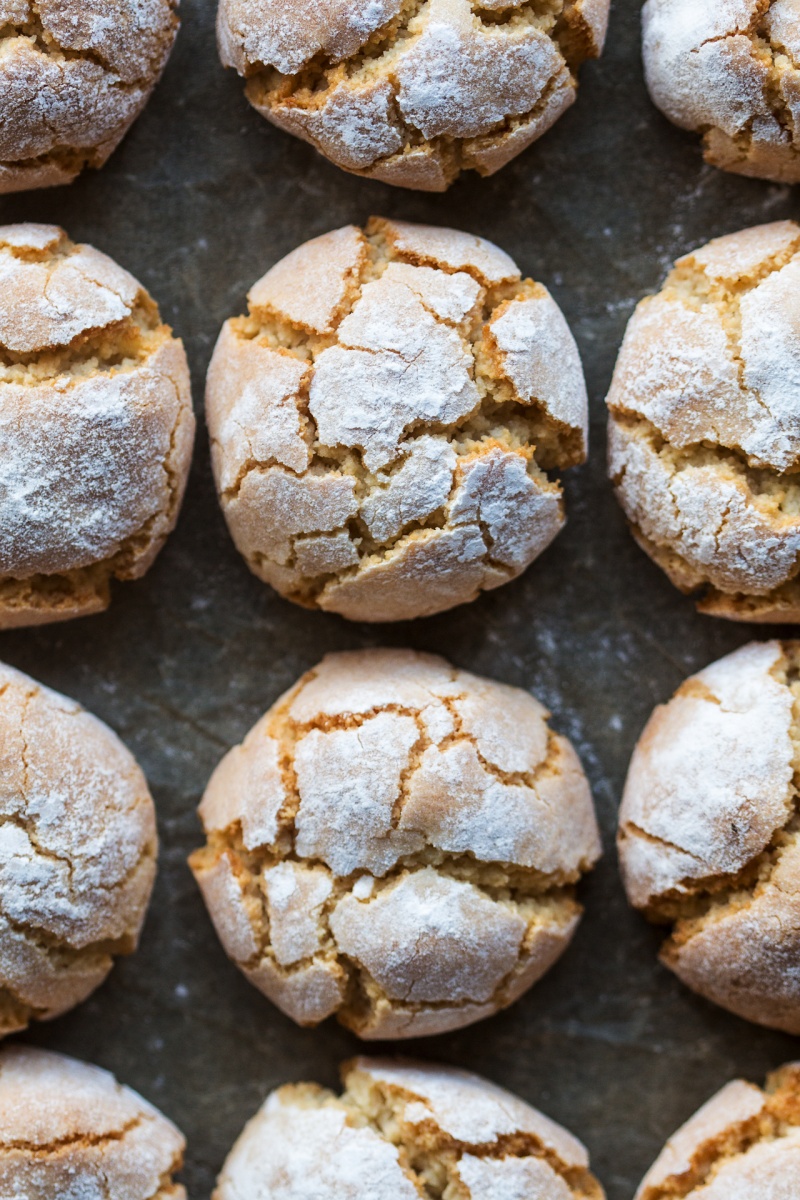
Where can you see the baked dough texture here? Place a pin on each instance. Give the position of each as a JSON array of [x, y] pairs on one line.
[[730, 70], [709, 832], [74, 75], [96, 427], [744, 1144], [400, 1131], [412, 92], [383, 420], [396, 842], [69, 1130], [77, 852], [704, 431]]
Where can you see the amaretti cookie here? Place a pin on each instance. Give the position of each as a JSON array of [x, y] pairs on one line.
[[396, 842], [96, 427], [412, 92], [74, 75], [77, 852], [69, 1130], [400, 1131], [728, 69], [709, 832], [383, 420], [744, 1144], [704, 429]]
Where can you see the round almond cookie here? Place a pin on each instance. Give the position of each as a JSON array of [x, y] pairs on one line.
[[729, 69], [403, 1130], [412, 92], [704, 429], [69, 1130], [396, 842], [77, 852], [709, 832], [383, 419], [73, 77], [744, 1144], [96, 427]]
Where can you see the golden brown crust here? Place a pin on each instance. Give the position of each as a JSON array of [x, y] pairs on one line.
[[343, 877]]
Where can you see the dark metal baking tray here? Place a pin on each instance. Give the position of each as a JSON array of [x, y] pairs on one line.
[[202, 197]]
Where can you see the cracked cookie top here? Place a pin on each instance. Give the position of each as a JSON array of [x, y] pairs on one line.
[[412, 92], [704, 441], [729, 69], [73, 77], [96, 426], [744, 1143], [400, 1131], [709, 831], [396, 842], [383, 419], [69, 1129], [77, 851]]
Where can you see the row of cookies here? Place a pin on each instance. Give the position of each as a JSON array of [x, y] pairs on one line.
[[388, 419], [399, 1131], [398, 842], [404, 92]]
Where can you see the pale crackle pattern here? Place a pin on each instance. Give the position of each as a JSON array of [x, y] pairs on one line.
[[709, 832], [73, 78], [401, 1131], [396, 842], [704, 441], [730, 69], [412, 92], [742, 1144], [96, 427], [68, 1129], [77, 852], [383, 420]]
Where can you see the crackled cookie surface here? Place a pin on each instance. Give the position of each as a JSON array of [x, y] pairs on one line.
[[744, 1144], [729, 69], [96, 427], [709, 832], [73, 77], [68, 1129], [383, 420], [77, 851], [412, 92], [402, 1130], [704, 429], [395, 842]]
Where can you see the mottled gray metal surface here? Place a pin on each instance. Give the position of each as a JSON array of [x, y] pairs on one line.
[[201, 198]]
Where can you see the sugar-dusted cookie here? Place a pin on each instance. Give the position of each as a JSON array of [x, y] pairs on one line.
[[96, 427], [709, 832], [74, 75], [412, 92], [401, 1131], [396, 841], [704, 427], [384, 419], [77, 852]]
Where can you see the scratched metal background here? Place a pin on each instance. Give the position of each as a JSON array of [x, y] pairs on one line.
[[200, 199]]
